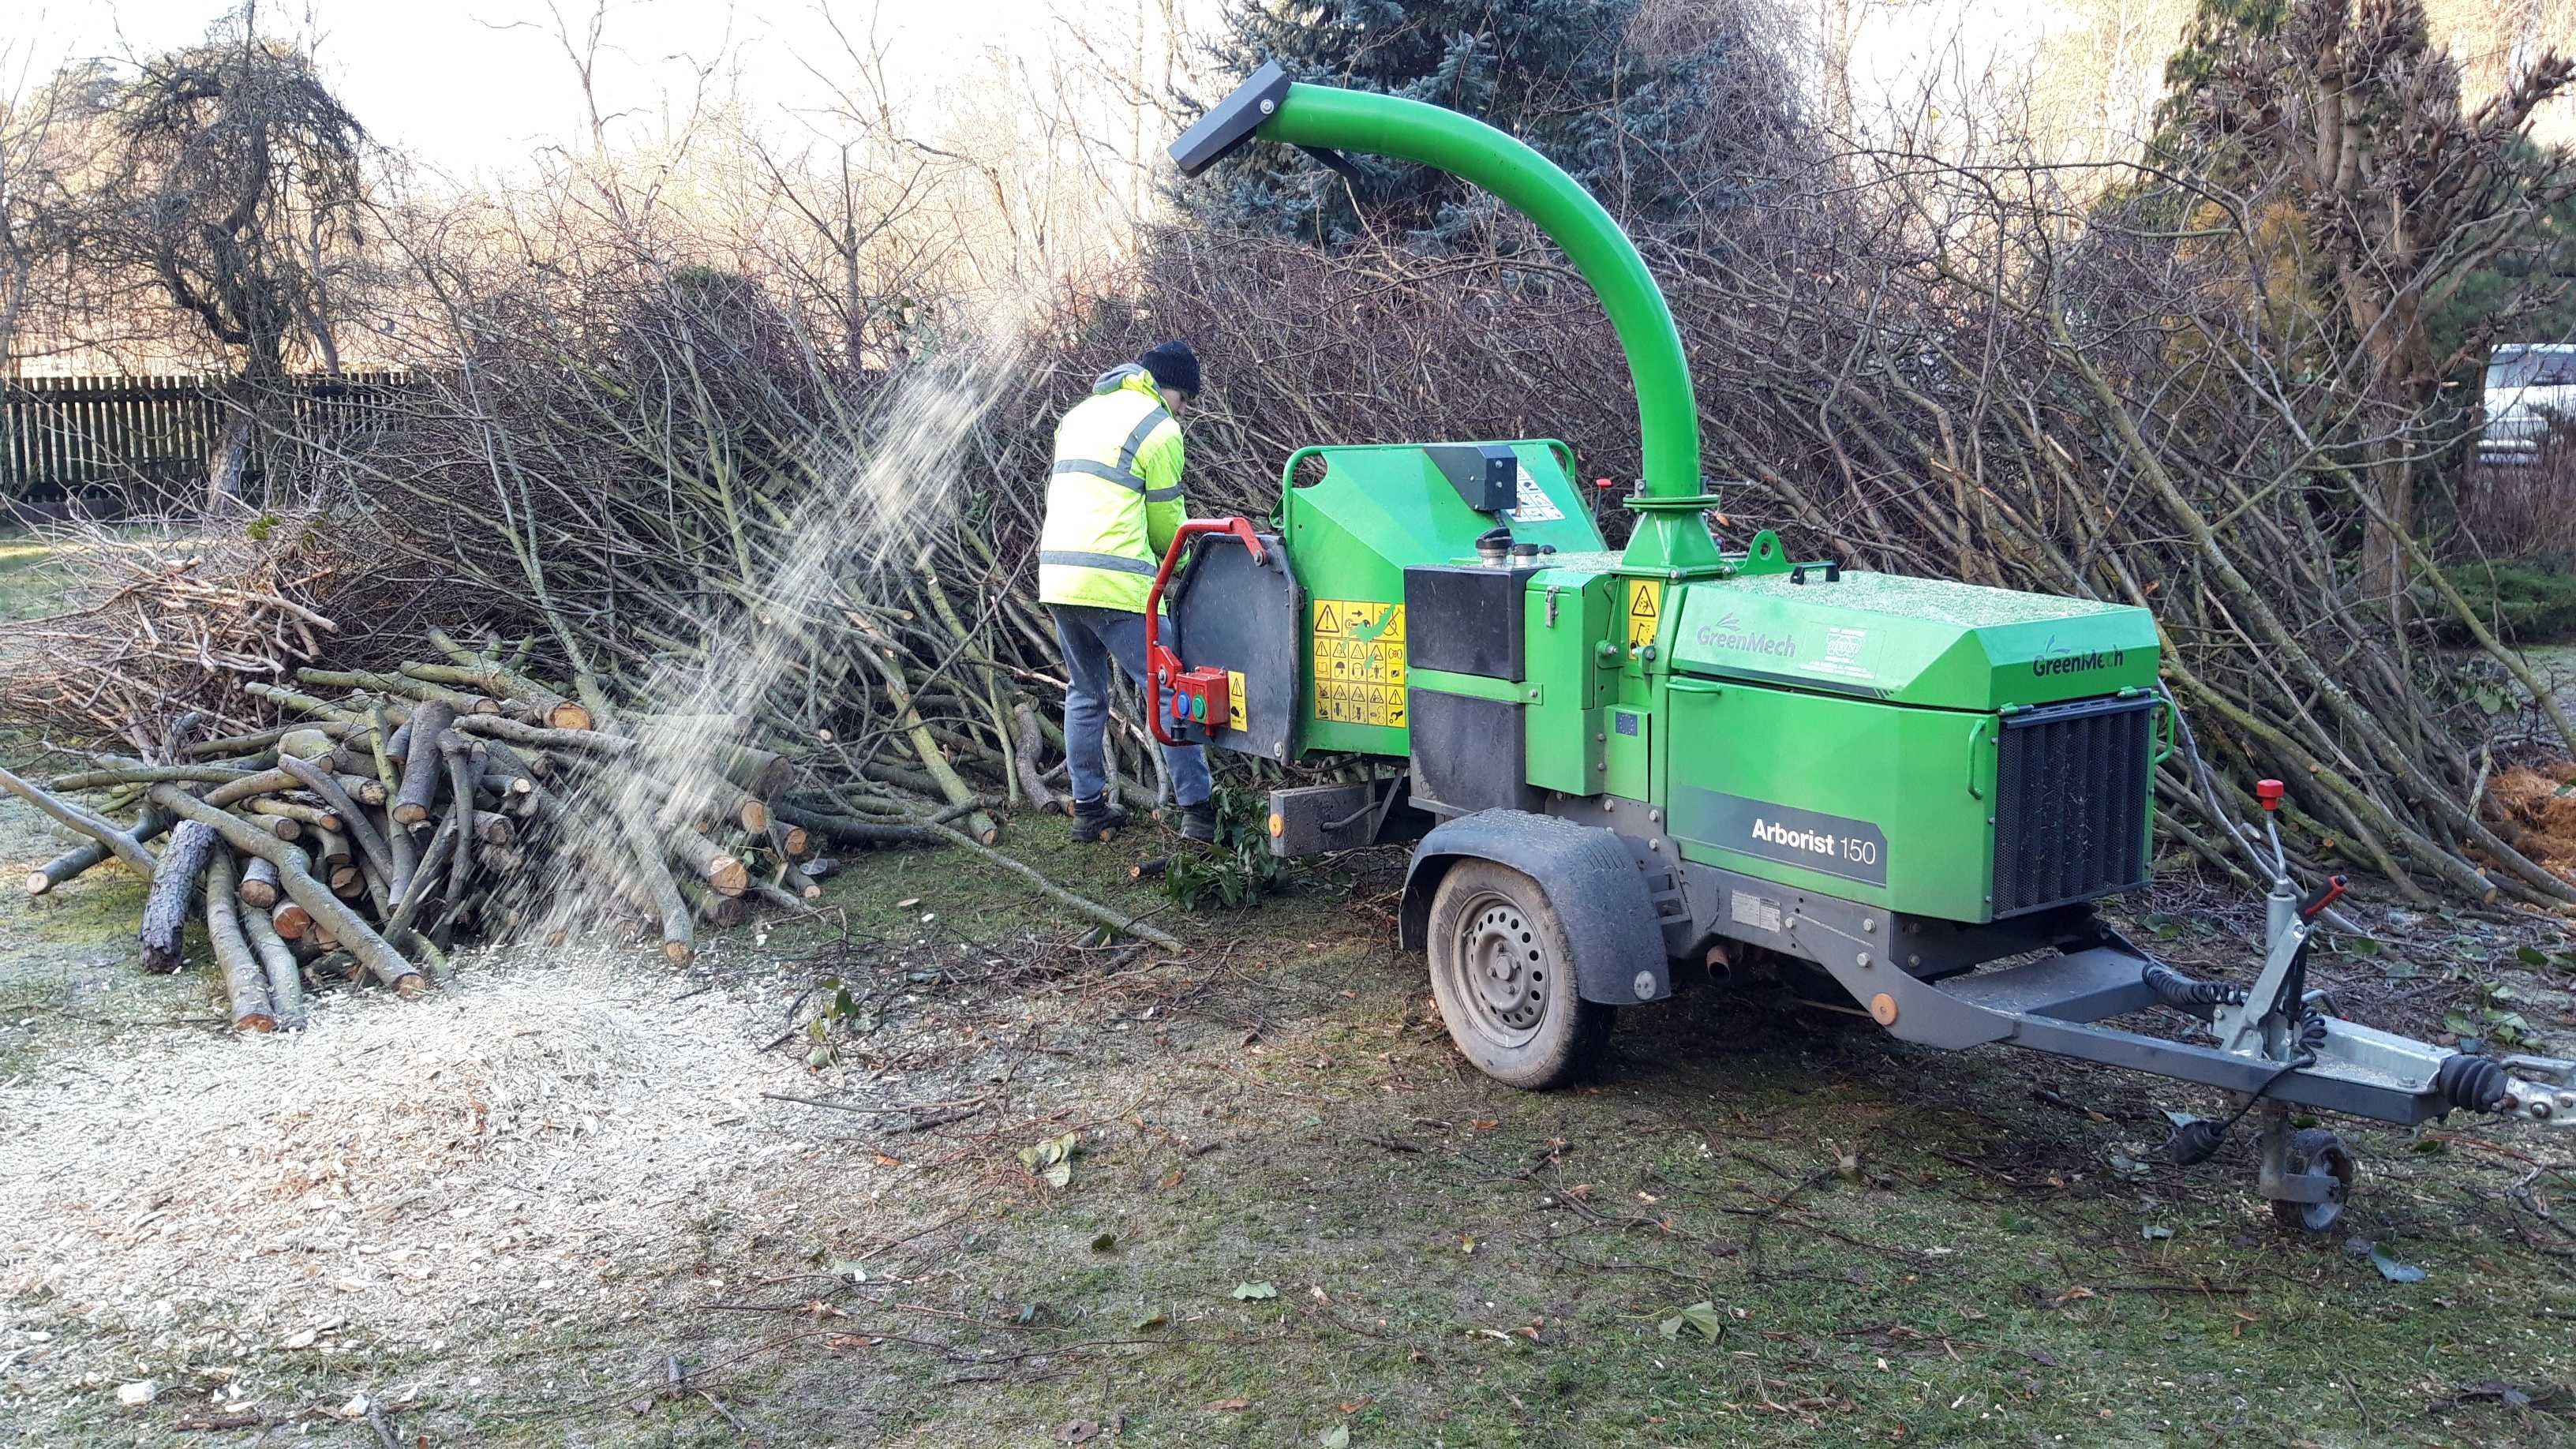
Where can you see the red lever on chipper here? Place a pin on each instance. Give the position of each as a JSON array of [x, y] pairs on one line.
[[1200, 696]]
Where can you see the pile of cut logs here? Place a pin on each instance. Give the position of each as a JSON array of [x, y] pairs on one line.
[[395, 814]]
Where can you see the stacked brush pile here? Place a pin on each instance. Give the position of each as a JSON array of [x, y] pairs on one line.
[[393, 814]]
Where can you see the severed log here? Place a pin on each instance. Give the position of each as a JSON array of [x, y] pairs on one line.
[[258, 888], [277, 963], [488, 674], [403, 684], [352, 819], [405, 857], [307, 744], [97, 827], [295, 877], [502, 727], [284, 827], [171, 899], [1027, 744], [679, 937], [245, 978], [714, 864], [231, 745], [360, 791], [426, 875], [422, 768], [377, 747], [290, 920], [499, 758], [494, 829], [758, 772], [139, 774], [775, 896], [249, 787], [712, 906], [848, 830], [458, 755], [148, 827]]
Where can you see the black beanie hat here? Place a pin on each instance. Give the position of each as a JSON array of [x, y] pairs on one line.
[[1174, 366]]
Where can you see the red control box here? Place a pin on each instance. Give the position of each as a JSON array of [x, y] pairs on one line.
[[1200, 697]]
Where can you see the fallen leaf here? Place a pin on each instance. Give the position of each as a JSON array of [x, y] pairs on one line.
[[1353, 1407], [2394, 1271], [849, 1340], [1337, 1437], [1155, 1319], [2074, 1295], [1080, 1431], [907, 903], [1249, 1291], [2155, 1232], [1467, 1245], [817, 1309], [1052, 1159], [1702, 1316], [1228, 1406], [1171, 1179], [1484, 1124], [885, 1160]]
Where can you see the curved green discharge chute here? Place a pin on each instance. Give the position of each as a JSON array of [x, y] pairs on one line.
[[1671, 534]]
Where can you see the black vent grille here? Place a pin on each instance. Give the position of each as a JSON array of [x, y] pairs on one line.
[[2071, 790]]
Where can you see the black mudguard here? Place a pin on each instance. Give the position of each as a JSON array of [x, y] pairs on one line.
[[1591, 880]]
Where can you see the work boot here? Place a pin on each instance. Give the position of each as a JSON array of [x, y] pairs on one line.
[[1096, 820], [1198, 822]]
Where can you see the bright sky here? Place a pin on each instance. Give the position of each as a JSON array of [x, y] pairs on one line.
[[473, 86]]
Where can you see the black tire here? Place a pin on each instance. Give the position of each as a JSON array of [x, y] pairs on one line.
[[2317, 1146], [1502, 970]]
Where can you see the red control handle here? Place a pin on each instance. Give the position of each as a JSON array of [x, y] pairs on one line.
[[1161, 663], [2269, 792]]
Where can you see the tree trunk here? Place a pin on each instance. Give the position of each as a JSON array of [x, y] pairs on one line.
[[169, 902]]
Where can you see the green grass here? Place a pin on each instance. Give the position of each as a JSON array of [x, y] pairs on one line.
[[22, 595]]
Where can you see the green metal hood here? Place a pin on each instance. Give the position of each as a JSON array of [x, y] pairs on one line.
[[1912, 641]]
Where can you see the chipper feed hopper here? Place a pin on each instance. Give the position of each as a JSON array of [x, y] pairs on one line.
[[1628, 767]]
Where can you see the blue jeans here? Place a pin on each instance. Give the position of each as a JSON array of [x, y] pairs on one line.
[[1091, 638]]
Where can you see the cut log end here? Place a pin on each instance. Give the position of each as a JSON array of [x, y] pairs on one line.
[[677, 952], [753, 816], [568, 716], [258, 894], [796, 840], [38, 882], [257, 1021], [410, 983], [409, 813], [728, 875], [290, 920]]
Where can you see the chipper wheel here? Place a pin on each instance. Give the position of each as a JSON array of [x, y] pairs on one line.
[[1503, 973], [2314, 1149]]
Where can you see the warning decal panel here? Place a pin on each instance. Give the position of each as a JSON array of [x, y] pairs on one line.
[[1359, 661], [1645, 610], [1234, 701]]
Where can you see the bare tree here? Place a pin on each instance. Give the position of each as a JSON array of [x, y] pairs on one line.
[[238, 190]]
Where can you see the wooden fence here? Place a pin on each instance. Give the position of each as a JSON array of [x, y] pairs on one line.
[[119, 441]]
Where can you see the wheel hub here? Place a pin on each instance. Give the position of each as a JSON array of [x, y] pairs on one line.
[[1506, 970]]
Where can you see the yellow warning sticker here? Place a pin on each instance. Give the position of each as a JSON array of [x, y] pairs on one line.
[[1359, 662], [1645, 610], [1234, 700]]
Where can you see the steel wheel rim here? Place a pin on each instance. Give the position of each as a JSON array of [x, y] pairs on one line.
[[2316, 1217], [1501, 970]]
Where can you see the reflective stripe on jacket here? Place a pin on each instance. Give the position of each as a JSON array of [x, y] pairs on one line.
[[1114, 497]]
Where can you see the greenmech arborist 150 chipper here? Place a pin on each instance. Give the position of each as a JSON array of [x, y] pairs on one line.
[[1616, 761]]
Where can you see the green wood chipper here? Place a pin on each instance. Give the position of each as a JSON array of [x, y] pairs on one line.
[[1627, 768]]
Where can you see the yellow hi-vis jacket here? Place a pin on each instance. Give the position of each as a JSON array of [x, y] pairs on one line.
[[1114, 498]]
